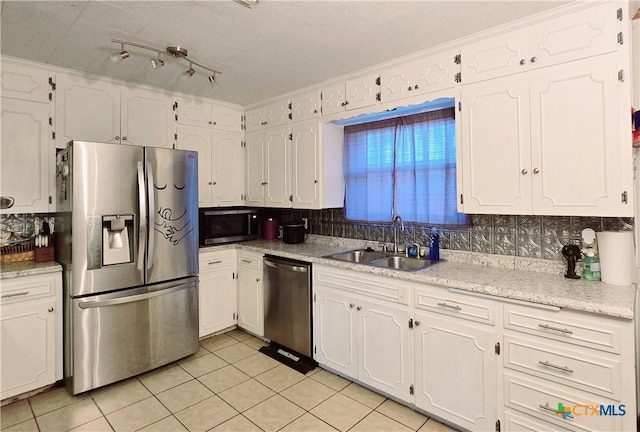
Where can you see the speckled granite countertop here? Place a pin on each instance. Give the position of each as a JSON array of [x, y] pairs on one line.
[[531, 280], [27, 268]]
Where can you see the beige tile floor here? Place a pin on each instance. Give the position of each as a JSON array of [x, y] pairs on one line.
[[226, 386]]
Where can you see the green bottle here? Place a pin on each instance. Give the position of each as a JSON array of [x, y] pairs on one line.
[[591, 267]]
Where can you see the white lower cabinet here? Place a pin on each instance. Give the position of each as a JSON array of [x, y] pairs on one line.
[[218, 291], [31, 333], [250, 293]]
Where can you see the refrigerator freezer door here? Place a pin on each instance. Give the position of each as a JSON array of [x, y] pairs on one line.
[[172, 179], [104, 184], [119, 335]]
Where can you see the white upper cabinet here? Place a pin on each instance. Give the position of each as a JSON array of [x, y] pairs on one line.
[[204, 114], [276, 113], [585, 33], [146, 118], [254, 169], [90, 110], [431, 73], [306, 106], [548, 143], [356, 93], [25, 83], [220, 165], [27, 153], [268, 173], [86, 110]]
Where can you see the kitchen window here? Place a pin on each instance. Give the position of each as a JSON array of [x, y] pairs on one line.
[[403, 166]]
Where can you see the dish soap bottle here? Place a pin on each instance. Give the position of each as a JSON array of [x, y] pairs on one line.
[[591, 266]]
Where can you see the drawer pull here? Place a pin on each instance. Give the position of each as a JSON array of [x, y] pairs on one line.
[[15, 294], [553, 410], [247, 261], [215, 262], [551, 365], [455, 307], [548, 327]]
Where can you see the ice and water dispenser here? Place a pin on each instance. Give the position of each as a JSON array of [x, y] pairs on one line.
[[111, 240]]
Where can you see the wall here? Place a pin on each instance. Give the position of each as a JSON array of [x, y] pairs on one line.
[[21, 226], [527, 236]]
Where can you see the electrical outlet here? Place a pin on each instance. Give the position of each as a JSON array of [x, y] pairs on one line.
[[306, 223]]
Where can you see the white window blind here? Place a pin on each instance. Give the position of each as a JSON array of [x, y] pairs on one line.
[[404, 166]]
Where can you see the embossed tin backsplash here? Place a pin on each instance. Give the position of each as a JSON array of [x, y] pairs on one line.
[[14, 227], [526, 236]]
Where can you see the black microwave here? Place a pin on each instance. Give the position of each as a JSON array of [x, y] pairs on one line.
[[227, 225]]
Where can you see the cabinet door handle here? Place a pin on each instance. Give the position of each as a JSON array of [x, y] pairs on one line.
[[257, 279], [410, 88], [210, 183], [416, 322], [351, 305], [456, 307], [315, 111], [536, 170], [523, 61], [22, 293], [415, 87], [50, 309], [6, 202], [548, 327], [215, 183], [124, 138], [215, 262], [247, 261], [358, 308], [534, 59], [551, 365], [211, 122], [553, 410], [524, 171], [215, 123], [117, 138]]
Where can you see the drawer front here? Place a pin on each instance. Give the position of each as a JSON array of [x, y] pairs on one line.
[[541, 399], [581, 329], [210, 261], [250, 259], [373, 286], [515, 421], [28, 288], [443, 301], [561, 364]]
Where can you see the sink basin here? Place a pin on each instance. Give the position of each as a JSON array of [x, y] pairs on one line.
[[402, 263], [357, 256]]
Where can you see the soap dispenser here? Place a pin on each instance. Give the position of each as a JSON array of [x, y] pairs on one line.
[[590, 260]]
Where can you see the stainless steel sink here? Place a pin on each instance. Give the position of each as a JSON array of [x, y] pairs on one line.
[[380, 259], [357, 256], [402, 263]]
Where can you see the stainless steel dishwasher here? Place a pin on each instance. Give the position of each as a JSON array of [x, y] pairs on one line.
[[287, 303]]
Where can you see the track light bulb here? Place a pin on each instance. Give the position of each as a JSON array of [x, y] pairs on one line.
[[189, 72], [157, 63], [119, 56]]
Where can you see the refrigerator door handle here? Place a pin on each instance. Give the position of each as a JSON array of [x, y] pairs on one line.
[[131, 298], [152, 219], [142, 225]]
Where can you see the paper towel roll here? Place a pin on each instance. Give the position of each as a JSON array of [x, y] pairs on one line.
[[616, 257]]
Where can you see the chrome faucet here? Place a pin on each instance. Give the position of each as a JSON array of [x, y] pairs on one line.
[[395, 232]]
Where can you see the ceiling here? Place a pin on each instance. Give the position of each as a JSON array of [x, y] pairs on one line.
[[277, 47]]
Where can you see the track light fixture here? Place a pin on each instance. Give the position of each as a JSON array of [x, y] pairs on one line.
[[176, 52], [157, 63], [119, 56]]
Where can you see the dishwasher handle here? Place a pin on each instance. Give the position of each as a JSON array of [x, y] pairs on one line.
[[289, 267]]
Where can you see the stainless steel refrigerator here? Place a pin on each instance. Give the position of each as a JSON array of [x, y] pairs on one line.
[[127, 238]]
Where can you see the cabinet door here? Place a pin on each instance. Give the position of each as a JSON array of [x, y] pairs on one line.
[[254, 175], [333, 98], [226, 119], [362, 92], [254, 119], [218, 297], [383, 348], [495, 57], [277, 113], [227, 161], [335, 331], [306, 106], [277, 167], [581, 165], [194, 113], [24, 82], [199, 139], [86, 111], [305, 174], [250, 300], [147, 119], [496, 160], [432, 73], [455, 371], [25, 148], [28, 356]]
